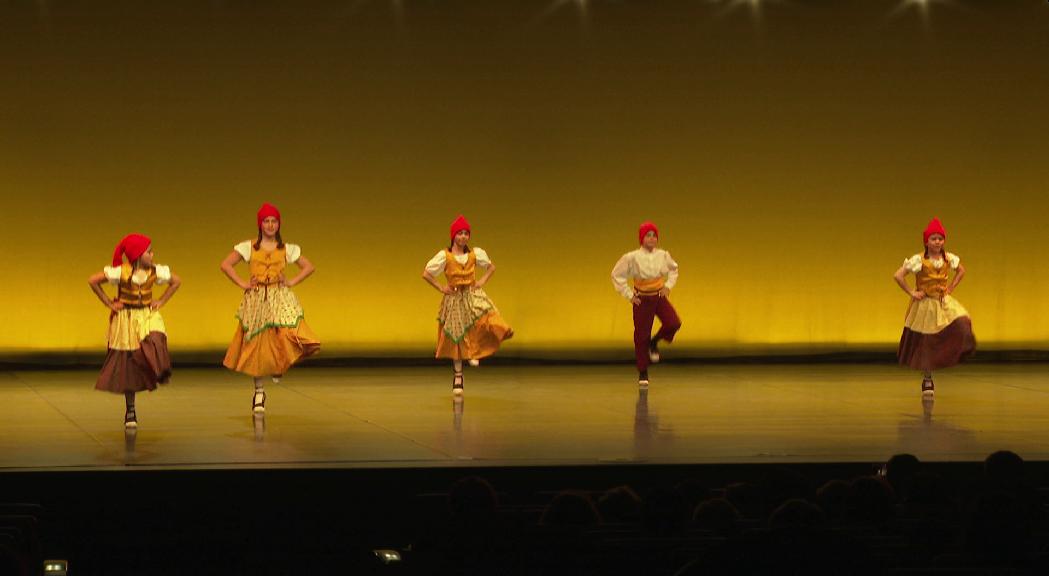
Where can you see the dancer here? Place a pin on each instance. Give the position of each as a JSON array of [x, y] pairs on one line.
[[271, 333], [654, 274], [937, 331], [137, 356], [469, 325]]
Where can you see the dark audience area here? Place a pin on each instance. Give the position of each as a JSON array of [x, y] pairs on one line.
[[904, 517], [901, 519]]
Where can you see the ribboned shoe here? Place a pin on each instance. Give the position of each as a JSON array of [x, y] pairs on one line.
[[258, 401], [642, 379], [130, 419], [457, 382], [928, 388]]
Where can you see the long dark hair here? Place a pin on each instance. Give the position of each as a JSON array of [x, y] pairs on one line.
[[466, 248], [280, 242]]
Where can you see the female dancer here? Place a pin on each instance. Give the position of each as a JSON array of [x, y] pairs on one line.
[[937, 331], [469, 325], [271, 333], [137, 358]]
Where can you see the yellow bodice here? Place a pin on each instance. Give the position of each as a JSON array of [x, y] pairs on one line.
[[460, 275], [932, 280], [267, 265]]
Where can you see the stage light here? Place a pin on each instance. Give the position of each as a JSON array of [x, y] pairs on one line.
[[387, 556], [56, 567], [557, 4], [581, 7], [923, 6], [754, 5]]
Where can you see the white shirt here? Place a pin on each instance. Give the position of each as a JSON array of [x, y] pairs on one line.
[[914, 263], [291, 251], [113, 275], [644, 265], [436, 264]]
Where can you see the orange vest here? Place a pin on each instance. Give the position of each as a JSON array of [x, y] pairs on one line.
[[266, 267], [931, 280], [136, 295], [459, 275]]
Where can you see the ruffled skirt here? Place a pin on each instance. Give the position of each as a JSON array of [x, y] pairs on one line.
[[271, 333], [137, 358], [469, 326], [936, 334]]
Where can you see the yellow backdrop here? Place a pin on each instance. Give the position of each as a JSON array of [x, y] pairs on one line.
[[790, 161]]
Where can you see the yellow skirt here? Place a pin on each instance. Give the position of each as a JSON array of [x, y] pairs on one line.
[[930, 315], [130, 326]]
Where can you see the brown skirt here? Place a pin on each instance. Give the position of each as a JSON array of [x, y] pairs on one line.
[[942, 349], [136, 370]]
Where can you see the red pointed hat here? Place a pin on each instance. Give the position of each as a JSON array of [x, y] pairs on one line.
[[132, 246], [266, 211], [934, 227], [459, 225], [645, 228]]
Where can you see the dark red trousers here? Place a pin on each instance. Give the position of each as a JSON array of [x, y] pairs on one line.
[[650, 308]]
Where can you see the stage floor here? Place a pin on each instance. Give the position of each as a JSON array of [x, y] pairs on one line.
[[527, 415]]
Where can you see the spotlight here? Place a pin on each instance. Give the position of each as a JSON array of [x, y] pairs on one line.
[[924, 7], [755, 6], [387, 556], [56, 567], [555, 5]]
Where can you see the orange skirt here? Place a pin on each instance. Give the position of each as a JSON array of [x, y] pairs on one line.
[[271, 352], [480, 341]]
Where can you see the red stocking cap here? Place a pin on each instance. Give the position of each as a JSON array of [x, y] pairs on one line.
[[266, 211], [133, 246], [459, 225], [645, 228], [934, 227]]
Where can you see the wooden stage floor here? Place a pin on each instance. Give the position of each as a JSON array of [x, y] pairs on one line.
[[527, 415]]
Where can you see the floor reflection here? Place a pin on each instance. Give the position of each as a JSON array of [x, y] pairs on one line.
[[258, 424], [931, 436], [130, 437], [535, 414], [649, 438], [458, 402]]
